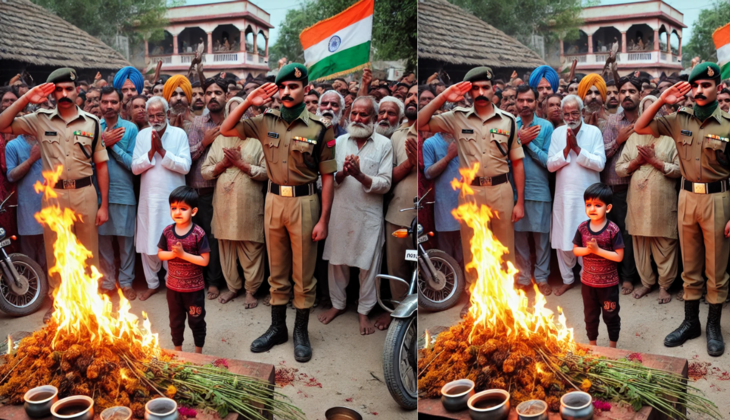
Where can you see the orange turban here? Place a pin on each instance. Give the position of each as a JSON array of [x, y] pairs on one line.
[[179, 81], [592, 79]]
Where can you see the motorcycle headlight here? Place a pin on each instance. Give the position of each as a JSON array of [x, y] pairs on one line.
[[420, 230], [2, 233]]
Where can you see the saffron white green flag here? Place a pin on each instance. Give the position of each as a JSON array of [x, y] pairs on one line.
[[340, 44], [721, 38]]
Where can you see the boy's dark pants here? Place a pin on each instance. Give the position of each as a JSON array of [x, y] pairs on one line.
[[192, 305], [595, 300]]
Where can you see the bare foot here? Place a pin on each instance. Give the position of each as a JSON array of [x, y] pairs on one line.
[[627, 288], [664, 296], [129, 293], [562, 289], [250, 302], [680, 296], [545, 289], [382, 322], [227, 296], [465, 309], [366, 327], [213, 293], [327, 316], [641, 292], [146, 294], [266, 300]]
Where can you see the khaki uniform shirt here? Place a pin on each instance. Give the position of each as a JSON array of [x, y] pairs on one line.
[[698, 153], [295, 153], [482, 141], [407, 188], [61, 142]]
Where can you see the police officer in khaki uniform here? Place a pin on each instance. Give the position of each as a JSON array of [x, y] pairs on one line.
[[298, 146], [486, 136], [701, 134], [69, 137]]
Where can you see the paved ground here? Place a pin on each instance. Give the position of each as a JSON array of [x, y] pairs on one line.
[[644, 324], [347, 365]]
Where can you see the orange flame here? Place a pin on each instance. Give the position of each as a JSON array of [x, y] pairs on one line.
[[80, 311], [494, 300], [10, 344]]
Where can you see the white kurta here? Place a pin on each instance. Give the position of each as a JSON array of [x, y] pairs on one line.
[[159, 178], [356, 224], [574, 175]]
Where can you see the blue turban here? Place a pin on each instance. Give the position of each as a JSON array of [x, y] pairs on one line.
[[548, 73], [132, 74]]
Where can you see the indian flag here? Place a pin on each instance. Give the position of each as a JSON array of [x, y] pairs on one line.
[[340, 44], [721, 38]]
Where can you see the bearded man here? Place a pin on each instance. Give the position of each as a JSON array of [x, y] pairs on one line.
[[198, 103], [203, 131], [546, 81], [179, 92], [331, 106], [130, 82], [592, 91], [612, 100], [619, 127], [390, 114]]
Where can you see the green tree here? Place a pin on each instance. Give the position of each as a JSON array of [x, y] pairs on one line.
[[135, 19], [700, 44], [394, 29], [520, 19]]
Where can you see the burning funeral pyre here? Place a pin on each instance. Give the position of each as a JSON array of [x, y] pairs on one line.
[[506, 343], [87, 349]]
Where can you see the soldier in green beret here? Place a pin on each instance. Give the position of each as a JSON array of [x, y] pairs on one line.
[[485, 136], [701, 135], [71, 138], [298, 147]]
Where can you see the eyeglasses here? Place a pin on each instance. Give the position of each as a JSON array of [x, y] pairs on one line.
[[572, 115], [156, 117]]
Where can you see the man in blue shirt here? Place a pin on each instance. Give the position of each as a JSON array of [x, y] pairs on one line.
[[119, 137], [22, 157], [535, 134], [441, 164]]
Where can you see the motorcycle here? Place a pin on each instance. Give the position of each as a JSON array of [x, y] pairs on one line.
[[23, 285]]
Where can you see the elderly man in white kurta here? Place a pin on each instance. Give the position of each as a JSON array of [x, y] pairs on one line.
[[162, 157], [364, 175], [578, 156]]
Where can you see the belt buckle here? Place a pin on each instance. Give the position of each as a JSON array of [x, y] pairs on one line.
[[485, 181], [286, 191], [69, 184], [699, 188]]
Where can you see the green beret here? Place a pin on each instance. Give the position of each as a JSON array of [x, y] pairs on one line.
[[293, 72], [63, 75], [705, 71], [478, 74]]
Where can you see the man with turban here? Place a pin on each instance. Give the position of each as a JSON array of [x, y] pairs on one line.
[[592, 91], [178, 92], [701, 136], [130, 82], [546, 81]]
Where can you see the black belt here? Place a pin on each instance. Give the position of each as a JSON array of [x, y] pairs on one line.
[[706, 188], [73, 183], [489, 181], [292, 191]]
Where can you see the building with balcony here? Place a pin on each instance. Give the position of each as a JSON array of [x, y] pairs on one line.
[[649, 35], [234, 34]]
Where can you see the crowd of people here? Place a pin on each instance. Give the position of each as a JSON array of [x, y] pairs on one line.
[[625, 178], [210, 183]]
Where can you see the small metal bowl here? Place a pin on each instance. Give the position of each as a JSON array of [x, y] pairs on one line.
[[576, 406], [116, 413], [537, 407], [342, 413], [497, 412], [37, 408], [83, 403], [456, 402]]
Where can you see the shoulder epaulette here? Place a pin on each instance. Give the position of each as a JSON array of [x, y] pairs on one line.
[[461, 109], [272, 111], [326, 122]]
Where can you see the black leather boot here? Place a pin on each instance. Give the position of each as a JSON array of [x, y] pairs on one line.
[[689, 328], [302, 348], [715, 344], [277, 332]]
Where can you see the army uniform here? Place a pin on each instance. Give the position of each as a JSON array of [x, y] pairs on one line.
[[704, 206], [75, 145], [491, 142], [296, 153]]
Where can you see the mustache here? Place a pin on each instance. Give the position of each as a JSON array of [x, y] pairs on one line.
[[700, 96], [287, 98], [213, 101], [65, 100], [481, 98]]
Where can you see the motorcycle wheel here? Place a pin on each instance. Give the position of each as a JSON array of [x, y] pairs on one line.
[[439, 300], [16, 305], [399, 362]]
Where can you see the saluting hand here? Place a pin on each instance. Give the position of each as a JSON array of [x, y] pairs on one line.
[[675, 93], [262, 94], [455, 93], [39, 94]]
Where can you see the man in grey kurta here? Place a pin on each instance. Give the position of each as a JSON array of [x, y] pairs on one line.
[[364, 174]]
